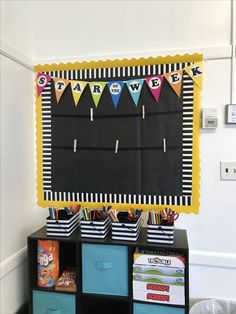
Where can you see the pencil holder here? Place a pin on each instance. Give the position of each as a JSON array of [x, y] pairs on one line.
[[64, 225], [95, 229], [126, 231], [162, 234]]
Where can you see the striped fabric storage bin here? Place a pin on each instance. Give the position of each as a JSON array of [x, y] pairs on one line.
[[95, 229], [64, 226], [126, 231], [162, 234]]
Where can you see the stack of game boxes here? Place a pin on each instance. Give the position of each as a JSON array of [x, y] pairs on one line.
[[159, 277]]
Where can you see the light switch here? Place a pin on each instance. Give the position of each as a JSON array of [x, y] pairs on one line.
[[231, 114]]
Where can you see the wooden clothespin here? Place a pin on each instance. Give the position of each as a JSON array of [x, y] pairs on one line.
[[116, 146], [143, 112], [75, 145], [164, 145], [91, 114]]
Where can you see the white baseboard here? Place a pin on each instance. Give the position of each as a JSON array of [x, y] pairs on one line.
[[212, 259], [12, 262]]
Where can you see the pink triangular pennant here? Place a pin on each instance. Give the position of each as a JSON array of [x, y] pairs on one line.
[[42, 80], [155, 83]]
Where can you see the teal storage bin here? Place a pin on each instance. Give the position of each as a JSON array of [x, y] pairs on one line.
[[105, 269], [141, 308], [53, 303]]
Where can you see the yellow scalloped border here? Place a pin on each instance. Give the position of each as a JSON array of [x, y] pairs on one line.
[[121, 63], [196, 57]]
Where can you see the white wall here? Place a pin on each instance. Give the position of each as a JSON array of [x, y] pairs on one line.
[[17, 25], [77, 30], [86, 28], [18, 183], [102, 29], [18, 212]]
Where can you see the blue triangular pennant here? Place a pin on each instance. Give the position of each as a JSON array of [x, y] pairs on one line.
[[135, 87], [115, 89]]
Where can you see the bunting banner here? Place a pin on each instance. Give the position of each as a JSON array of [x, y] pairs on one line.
[[77, 88], [154, 83], [175, 80], [60, 86], [195, 72], [135, 87], [115, 89], [97, 89], [42, 80]]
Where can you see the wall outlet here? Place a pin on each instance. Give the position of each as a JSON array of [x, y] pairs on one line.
[[228, 170]]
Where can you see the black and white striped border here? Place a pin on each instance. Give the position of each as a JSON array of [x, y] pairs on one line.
[[47, 137], [187, 135], [116, 198], [107, 73]]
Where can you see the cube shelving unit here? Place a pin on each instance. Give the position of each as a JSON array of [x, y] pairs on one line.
[[104, 275]]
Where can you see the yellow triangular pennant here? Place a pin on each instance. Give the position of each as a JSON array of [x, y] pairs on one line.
[[60, 86], [77, 88], [97, 89], [175, 80], [195, 72]]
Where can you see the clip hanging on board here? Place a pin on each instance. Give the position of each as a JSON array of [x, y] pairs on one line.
[[117, 146], [143, 112], [75, 145], [164, 145], [91, 114]]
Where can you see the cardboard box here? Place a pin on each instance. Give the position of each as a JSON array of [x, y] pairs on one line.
[[158, 270], [155, 297], [158, 288], [159, 260], [66, 282], [177, 281]]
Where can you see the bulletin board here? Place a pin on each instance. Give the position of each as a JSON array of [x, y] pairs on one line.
[[121, 132]]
